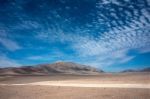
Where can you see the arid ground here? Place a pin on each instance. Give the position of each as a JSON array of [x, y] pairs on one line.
[[103, 86]]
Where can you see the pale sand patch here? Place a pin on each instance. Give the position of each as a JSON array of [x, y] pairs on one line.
[[72, 83]]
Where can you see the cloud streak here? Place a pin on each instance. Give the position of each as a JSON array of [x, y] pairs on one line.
[[113, 45], [7, 62], [11, 45], [102, 33]]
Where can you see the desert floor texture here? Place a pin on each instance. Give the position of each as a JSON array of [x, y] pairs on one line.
[[103, 86]]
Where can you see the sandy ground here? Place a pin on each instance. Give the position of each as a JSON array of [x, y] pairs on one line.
[[81, 84], [50, 92], [104, 86]]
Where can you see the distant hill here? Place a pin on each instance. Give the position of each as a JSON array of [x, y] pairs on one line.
[[47, 69], [141, 70], [128, 70], [145, 70]]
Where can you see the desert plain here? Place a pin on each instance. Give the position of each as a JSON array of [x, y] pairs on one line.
[[69, 86]]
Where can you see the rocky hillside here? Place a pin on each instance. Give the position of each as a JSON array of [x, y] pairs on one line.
[[47, 69], [140, 70]]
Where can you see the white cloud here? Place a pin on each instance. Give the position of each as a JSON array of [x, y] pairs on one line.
[[144, 50], [41, 58], [36, 58], [9, 44], [7, 62], [27, 25], [109, 48], [113, 45], [126, 59], [45, 57]]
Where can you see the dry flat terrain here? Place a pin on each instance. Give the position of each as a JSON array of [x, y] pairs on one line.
[[102, 86]]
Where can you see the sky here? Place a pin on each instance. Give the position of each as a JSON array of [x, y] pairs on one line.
[[109, 34]]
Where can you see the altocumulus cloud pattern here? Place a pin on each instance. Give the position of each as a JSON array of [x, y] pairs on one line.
[[110, 34]]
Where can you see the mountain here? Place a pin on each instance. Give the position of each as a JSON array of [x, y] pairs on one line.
[[129, 70], [141, 70], [47, 69], [145, 70]]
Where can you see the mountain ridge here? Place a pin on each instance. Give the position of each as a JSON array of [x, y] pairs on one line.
[[147, 69], [47, 69]]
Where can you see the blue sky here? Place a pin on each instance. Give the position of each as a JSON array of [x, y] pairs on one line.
[[108, 34]]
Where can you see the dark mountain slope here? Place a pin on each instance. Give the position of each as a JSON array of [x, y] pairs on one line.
[[47, 69]]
